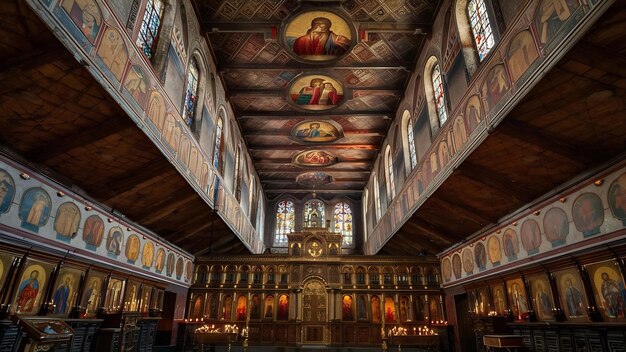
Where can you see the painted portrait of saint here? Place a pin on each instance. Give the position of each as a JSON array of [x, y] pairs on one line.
[[510, 244], [86, 15], [115, 238], [608, 289], [468, 261], [361, 310], [240, 311], [499, 301], [148, 254], [92, 294], [179, 268], [255, 307], [521, 54], [375, 303], [617, 198], [66, 221], [473, 113], [169, 268], [268, 307], [159, 262], [542, 297], [65, 291], [31, 288], [318, 36], [136, 84], [551, 16], [188, 271], [456, 266], [7, 191], [132, 248], [531, 236], [480, 256], [446, 269], [493, 250], [496, 85], [156, 110], [404, 308], [35, 209], [314, 178], [113, 53], [390, 310], [572, 294], [283, 308], [517, 298], [93, 232], [346, 308], [316, 92], [556, 226], [588, 214]]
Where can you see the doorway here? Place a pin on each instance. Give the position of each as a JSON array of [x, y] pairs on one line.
[[166, 324], [314, 312], [464, 323]]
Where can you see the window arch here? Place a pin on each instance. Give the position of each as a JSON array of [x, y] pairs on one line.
[[365, 205], [251, 197], [343, 222], [150, 28], [285, 218], [191, 92], [237, 173], [377, 197], [408, 141], [314, 213], [218, 145], [481, 27], [391, 183], [435, 94]]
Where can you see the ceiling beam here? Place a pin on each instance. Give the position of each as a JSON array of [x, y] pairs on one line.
[[455, 209], [275, 181], [289, 115], [79, 139], [324, 146], [395, 65], [310, 190], [535, 136], [282, 132], [496, 181], [234, 92], [302, 169], [288, 161]]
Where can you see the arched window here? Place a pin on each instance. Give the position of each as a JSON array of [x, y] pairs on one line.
[[391, 184], [237, 176], [343, 222], [365, 205], [150, 27], [218, 146], [191, 93], [439, 95], [481, 27], [285, 217], [377, 197], [411, 143], [314, 213], [251, 197]]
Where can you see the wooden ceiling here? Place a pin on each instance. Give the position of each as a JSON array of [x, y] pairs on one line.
[[572, 121], [57, 119], [258, 67]]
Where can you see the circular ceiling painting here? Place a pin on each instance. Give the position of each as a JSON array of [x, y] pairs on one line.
[[313, 158], [314, 178], [316, 131], [316, 92], [318, 36]]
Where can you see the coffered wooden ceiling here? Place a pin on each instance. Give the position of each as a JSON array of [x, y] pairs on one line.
[[258, 66]]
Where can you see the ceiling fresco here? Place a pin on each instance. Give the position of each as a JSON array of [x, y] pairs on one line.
[[315, 84]]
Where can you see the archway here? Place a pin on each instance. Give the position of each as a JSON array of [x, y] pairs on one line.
[[314, 311]]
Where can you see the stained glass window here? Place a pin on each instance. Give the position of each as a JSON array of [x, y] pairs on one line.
[[285, 218], [314, 214], [237, 177], [481, 27], [191, 93], [377, 197], [217, 148], [343, 222], [149, 31], [411, 142], [440, 99]]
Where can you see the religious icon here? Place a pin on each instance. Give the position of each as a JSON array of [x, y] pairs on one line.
[[169, 268], [493, 250], [314, 158], [148, 254], [35, 209], [6, 260], [93, 232], [617, 198], [269, 307], [496, 85], [390, 310], [240, 312], [159, 262], [136, 84], [456, 266], [66, 221], [609, 290], [255, 309], [31, 288], [114, 241], [473, 113], [156, 110], [86, 15], [314, 178], [316, 92], [572, 294], [132, 248], [434, 307], [65, 291], [211, 308], [361, 310], [480, 256], [542, 297], [227, 306], [196, 307], [131, 300], [531, 236], [318, 36], [179, 268], [551, 16], [511, 245], [92, 293], [375, 303], [499, 299], [188, 270], [7, 191], [114, 295], [522, 53], [468, 261], [556, 226], [283, 308], [404, 309], [588, 214], [316, 131], [420, 308], [346, 308], [113, 53], [517, 298]]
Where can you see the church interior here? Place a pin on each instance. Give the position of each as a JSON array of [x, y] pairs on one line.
[[294, 175]]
